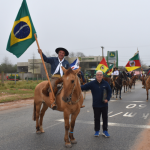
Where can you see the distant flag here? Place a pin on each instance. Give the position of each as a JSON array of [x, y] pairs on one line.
[[133, 63], [102, 66], [75, 64], [110, 70], [22, 34]]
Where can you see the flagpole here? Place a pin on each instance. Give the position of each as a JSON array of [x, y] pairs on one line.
[[44, 66]]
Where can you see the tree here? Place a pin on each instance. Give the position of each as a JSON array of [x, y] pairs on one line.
[[72, 54], [7, 67], [143, 65], [33, 65], [80, 54]]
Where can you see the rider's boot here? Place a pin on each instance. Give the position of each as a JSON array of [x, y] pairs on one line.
[[52, 101]]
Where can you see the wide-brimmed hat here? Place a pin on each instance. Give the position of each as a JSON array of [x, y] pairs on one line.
[[62, 49]]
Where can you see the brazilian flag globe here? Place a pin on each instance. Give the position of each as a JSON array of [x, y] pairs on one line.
[[22, 33]]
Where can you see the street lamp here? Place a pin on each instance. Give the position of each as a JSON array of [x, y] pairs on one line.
[[102, 51]]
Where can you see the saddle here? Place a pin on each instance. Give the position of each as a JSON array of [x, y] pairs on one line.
[[57, 88]]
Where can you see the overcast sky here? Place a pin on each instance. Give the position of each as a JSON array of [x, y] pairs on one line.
[[82, 26]]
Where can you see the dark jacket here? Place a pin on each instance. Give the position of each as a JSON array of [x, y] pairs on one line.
[[54, 63], [97, 92]]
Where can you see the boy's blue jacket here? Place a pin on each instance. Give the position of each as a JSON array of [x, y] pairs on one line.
[[97, 92]]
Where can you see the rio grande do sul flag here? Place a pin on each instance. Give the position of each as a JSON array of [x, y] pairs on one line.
[[102, 65], [22, 33], [110, 70], [133, 63]]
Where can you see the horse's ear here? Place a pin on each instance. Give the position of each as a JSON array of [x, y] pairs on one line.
[[77, 70], [64, 70]]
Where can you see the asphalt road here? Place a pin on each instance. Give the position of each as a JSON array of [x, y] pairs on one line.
[[127, 118]]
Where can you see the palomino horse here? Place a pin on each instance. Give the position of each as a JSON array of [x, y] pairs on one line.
[[147, 85], [69, 101]]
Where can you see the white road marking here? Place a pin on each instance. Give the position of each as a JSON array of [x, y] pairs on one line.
[[53, 125], [145, 116], [138, 101], [110, 112], [112, 124], [142, 106], [131, 106], [129, 115], [115, 114]]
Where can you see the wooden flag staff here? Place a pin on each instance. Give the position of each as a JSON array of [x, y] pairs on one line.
[[44, 67]]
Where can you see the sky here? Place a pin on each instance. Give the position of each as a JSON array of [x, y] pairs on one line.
[[82, 26]]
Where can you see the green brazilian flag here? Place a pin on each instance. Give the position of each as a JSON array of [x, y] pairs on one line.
[[22, 34]]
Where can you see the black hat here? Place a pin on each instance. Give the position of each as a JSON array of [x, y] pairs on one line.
[[62, 49]]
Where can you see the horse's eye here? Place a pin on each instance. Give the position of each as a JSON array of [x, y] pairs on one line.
[[72, 81]]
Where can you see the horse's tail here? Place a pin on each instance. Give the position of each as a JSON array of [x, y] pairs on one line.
[[34, 112]]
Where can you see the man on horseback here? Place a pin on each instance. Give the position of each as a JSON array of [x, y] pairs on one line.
[[115, 74], [56, 70]]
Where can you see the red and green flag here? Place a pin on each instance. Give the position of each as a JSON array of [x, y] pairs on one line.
[[102, 65], [133, 63], [110, 70], [22, 33]]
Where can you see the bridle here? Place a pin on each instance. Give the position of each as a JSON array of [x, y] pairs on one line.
[[69, 98]]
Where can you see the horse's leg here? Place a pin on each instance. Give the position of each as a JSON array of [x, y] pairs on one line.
[[124, 88], [66, 138], [120, 94], [72, 124], [116, 93], [112, 92], [147, 94], [38, 107], [45, 107]]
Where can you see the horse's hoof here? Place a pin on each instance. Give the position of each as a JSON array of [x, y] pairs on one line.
[[82, 106], [68, 145], [74, 142], [42, 131], [120, 98], [38, 132], [147, 100], [54, 108]]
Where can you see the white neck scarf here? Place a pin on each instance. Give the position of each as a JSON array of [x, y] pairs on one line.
[[59, 67]]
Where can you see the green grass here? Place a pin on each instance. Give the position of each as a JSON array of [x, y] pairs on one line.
[[18, 91]]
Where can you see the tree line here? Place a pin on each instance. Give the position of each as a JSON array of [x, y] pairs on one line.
[[7, 67]]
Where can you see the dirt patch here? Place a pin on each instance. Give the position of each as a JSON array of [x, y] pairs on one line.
[[143, 141], [16, 104]]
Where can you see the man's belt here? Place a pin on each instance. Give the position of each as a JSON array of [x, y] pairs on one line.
[[57, 76]]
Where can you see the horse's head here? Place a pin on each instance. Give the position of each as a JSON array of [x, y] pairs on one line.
[[124, 75], [70, 81]]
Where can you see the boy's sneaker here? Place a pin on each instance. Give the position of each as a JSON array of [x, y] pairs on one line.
[[97, 133], [105, 133]]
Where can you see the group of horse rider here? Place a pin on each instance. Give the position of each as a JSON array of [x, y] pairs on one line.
[[56, 70]]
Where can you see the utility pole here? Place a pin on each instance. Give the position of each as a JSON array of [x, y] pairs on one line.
[[102, 51]]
